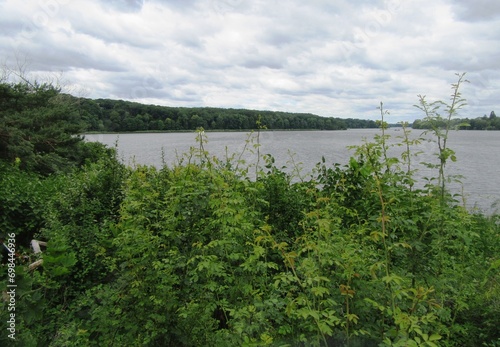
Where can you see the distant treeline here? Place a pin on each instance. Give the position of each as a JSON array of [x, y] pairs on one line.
[[491, 122], [118, 115]]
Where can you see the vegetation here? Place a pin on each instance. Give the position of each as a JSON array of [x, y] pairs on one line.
[[118, 115], [491, 122], [39, 125], [215, 252]]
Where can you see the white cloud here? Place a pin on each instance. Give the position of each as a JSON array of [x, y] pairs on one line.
[[330, 58]]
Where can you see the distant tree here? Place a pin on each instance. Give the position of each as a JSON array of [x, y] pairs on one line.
[[119, 115], [183, 122], [156, 124], [169, 124], [197, 122], [115, 121]]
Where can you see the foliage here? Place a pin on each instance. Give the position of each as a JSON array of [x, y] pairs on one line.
[[207, 253], [119, 115], [37, 125], [491, 122], [440, 125], [74, 214], [23, 197]]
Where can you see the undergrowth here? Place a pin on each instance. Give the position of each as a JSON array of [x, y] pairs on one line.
[[217, 252]]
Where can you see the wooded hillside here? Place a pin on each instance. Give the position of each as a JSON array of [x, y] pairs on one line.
[[118, 115]]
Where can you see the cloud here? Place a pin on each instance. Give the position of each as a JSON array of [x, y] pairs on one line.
[[330, 58], [479, 10], [123, 5]]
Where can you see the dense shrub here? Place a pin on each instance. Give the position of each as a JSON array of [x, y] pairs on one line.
[[202, 254]]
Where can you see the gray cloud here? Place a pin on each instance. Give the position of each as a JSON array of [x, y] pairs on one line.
[[330, 58], [478, 10], [124, 5]]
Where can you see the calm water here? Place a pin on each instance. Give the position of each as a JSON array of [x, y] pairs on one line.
[[477, 153]]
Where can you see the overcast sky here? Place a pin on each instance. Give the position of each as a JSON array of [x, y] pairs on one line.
[[327, 57]]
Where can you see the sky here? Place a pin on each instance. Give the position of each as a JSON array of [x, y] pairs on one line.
[[332, 58]]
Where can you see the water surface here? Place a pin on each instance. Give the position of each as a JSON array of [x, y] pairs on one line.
[[477, 153]]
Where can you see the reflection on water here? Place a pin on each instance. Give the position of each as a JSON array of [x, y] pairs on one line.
[[477, 153]]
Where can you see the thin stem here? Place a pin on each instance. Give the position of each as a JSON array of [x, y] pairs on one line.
[[383, 126]]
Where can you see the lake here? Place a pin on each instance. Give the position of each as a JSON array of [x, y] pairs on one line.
[[477, 152]]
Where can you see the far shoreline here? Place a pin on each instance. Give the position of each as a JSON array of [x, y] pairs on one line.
[[212, 131]]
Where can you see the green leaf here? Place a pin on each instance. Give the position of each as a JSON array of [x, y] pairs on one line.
[[434, 337], [319, 291]]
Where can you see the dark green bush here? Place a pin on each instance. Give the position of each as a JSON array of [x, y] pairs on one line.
[[201, 254]]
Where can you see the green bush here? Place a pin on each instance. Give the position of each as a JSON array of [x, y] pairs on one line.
[[202, 254]]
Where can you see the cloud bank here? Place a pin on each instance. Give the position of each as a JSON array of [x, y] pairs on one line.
[[331, 58]]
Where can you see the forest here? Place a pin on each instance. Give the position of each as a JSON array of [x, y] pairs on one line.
[[218, 252], [491, 122], [105, 115]]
